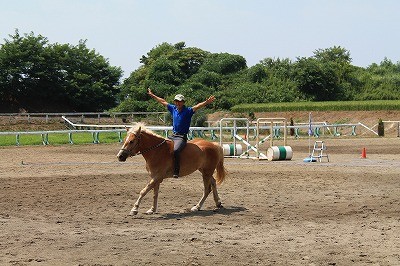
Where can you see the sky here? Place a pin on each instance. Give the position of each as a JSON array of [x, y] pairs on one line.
[[124, 30]]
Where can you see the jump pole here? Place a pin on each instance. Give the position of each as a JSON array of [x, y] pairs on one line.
[[271, 122], [235, 135]]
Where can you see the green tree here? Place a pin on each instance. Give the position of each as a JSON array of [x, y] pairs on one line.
[[207, 78], [338, 60], [188, 60], [315, 79], [224, 63], [334, 54], [166, 69], [278, 68], [327, 75], [257, 73], [92, 84], [38, 76], [25, 76], [380, 82]]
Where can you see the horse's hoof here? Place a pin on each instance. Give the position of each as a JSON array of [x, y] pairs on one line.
[[219, 205], [195, 209], [133, 212], [150, 211]]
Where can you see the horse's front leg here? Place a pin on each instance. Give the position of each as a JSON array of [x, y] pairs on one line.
[[153, 209], [142, 193]]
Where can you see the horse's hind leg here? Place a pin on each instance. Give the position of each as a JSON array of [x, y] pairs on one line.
[[207, 190], [215, 193], [143, 193]]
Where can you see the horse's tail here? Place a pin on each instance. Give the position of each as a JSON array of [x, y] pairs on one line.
[[221, 171]]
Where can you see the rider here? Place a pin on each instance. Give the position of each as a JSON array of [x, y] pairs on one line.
[[181, 118]]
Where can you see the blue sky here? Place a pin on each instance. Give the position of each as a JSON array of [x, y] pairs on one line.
[[124, 30]]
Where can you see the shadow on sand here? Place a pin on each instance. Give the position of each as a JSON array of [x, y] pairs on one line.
[[203, 213]]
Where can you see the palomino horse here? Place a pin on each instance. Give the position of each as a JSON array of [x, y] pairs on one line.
[[198, 154]]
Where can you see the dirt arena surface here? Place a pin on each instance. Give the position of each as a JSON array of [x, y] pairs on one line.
[[69, 205]]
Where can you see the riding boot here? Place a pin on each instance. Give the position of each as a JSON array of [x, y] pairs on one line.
[[176, 164], [179, 144]]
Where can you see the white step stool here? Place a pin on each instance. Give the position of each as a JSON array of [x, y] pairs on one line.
[[318, 151]]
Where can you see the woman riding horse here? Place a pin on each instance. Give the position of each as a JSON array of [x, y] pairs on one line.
[[181, 118], [199, 154]]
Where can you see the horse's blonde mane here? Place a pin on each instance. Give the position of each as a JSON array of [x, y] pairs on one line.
[[143, 128]]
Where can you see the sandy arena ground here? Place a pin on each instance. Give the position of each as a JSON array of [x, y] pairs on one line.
[[69, 205]]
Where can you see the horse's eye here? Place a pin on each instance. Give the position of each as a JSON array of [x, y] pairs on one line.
[[131, 141]]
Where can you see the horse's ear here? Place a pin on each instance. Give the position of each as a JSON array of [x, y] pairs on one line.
[[127, 129], [139, 129]]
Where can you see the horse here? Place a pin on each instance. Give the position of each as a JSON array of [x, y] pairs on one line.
[[157, 151]]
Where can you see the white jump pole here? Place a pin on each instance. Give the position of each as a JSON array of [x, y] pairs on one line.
[[271, 121], [234, 132]]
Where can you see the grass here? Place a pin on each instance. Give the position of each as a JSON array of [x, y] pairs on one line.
[[319, 106], [60, 138]]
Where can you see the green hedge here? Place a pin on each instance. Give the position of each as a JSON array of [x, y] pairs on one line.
[[319, 106]]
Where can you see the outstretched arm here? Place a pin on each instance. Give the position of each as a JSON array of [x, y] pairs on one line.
[[202, 104], [158, 99]]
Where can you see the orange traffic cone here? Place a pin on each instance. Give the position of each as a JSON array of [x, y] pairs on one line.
[[364, 153]]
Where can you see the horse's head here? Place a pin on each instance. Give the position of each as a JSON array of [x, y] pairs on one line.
[[130, 146]]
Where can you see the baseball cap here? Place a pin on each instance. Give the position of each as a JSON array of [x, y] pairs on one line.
[[179, 98]]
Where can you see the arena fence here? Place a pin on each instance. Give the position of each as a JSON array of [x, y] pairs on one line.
[[242, 127], [87, 116]]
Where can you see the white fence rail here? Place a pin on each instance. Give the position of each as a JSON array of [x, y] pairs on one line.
[[250, 132], [81, 115]]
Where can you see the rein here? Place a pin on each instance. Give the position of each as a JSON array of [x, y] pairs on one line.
[[146, 150]]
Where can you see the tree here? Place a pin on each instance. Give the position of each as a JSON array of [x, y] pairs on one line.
[[187, 59], [257, 73], [334, 54], [279, 68], [38, 76], [166, 69], [224, 63], [91, 83], [207, 78], [155, 53], [339, 59], [315, 79], [380, 82], [327, 75], [25, 75]]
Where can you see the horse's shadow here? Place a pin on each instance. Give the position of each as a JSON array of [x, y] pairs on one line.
[[202, 213]]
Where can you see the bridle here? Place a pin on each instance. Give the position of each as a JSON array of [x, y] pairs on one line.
[[129, 152]]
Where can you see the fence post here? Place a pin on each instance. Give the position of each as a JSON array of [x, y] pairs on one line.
[[17, 139], [45, 138], [70, 138], [95, 136]]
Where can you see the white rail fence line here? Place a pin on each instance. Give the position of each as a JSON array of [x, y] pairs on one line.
[[204, 132], [82, 115]]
